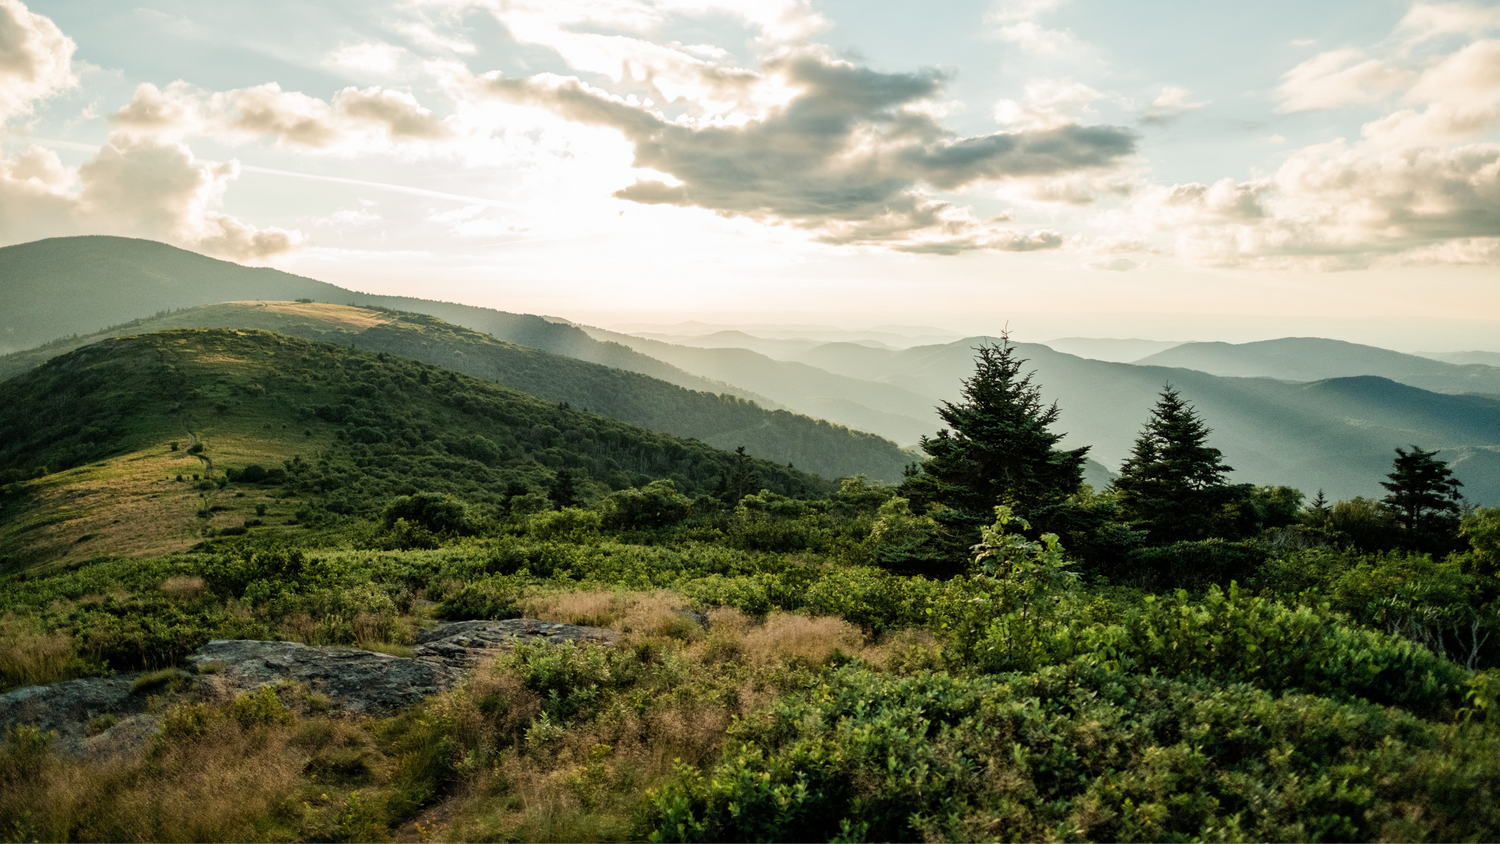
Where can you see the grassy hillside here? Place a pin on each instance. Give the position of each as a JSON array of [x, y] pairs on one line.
[[122, 444], [722, 421], [1316, 359]]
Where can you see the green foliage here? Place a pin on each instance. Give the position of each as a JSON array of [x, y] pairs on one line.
[[1193, 565], [1424, 496], [658, 504], [1173, 484], [1076, 752], [1364, 523], [1481, 529], [437, 512], [997, 448]]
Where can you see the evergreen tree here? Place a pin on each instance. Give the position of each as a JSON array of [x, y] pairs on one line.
[[564, 491], [740, 480], [1425, 499], [997, 448], [1173, 483]]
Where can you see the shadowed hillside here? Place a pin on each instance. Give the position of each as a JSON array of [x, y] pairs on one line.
[[723, 421], [80, 285]]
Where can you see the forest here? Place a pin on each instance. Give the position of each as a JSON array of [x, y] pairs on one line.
[[988, 650]]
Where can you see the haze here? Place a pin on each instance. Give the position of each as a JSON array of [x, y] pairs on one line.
[[1171, 171]]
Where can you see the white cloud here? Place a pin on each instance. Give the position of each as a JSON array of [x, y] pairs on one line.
[[1117, 265], [1170, 103], [1415, 189], [358, 120], [1017, 22], [1338, 78], [35, 59], [133, 186], [1048, 104]]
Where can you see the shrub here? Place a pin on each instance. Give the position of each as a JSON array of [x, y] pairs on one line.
[[437, 512]]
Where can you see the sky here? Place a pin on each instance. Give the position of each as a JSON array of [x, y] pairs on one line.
[[1173, 170]]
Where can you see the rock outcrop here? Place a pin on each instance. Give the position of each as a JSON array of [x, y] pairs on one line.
[[100, 714]]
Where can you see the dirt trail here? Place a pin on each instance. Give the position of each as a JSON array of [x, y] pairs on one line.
[[208, 462]]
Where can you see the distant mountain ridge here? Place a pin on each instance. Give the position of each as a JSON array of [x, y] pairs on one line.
[[1334, 434], [1316, 358]]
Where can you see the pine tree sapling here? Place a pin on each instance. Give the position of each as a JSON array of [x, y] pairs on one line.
[[997, 448], [1174, 483], [1424, 496]]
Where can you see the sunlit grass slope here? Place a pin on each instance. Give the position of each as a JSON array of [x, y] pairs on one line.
[[99, 448]]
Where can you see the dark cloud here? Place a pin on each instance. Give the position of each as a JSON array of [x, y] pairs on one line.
[[850, 156]]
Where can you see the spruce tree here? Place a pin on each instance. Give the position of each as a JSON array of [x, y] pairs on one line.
[[998, 447], [1173, 483], [1424, 497]]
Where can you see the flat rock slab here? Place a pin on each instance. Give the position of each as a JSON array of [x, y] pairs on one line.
[[66, 708], [355, 681], [461, 643], [361, 682]]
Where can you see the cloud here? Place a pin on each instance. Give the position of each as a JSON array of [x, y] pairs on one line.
[[1117, 265], [1170, 104], [133, 186], [849, 156], [1047, 104], [1340, 206], [1413, 189], [1338, 78], [1017, 22], [356, 120], [35, 59]]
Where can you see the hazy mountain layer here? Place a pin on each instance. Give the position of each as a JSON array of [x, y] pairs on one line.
[[1337, 434], [902, 415], [1313, 359], [1485, 358], [1102, 348], [725, 422]]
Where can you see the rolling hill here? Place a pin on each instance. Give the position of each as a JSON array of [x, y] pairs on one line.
[[75, 286], [103, 446], [723, 421], [1314, 359]]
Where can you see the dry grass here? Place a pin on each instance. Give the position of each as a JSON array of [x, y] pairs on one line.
[[333, 314], [183, 588], [226, 786], [30, 656], [637, 614], [799, 639]]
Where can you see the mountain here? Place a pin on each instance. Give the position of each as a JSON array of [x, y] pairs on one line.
[[1118, 351], [889, 410], [1314, 359], [103, 446], [1486, 358], [66, 286], [1336, 434], [780, 349], [722, 421]]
